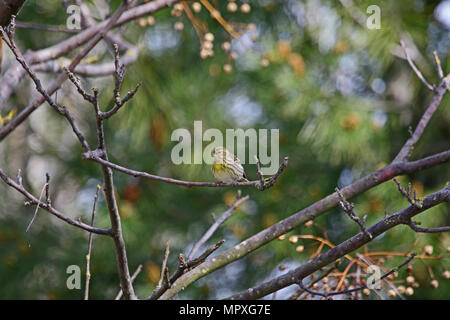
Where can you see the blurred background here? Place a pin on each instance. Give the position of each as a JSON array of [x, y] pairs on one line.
[[340, 93]]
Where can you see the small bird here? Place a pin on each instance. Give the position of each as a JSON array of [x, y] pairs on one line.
[[227, 167]]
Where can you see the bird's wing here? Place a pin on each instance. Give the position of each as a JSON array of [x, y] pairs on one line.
[[238, 166]]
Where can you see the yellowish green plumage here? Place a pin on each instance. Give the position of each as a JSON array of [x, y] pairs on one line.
[[226, 166]]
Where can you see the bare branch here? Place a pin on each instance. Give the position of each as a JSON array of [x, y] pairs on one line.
[[34, 201], [111, 202], [268, 182], [44, 27], [408, 147], [271, 181], [116, 231], [118, 79], [116, 228], [88, 21], [14, 74], [416, 228], [88, 256], [260, 175], [349, 209], [298, 293], [412, 199], [100, 155], [413, 66], [9, 40], [328, 295], [87, 69], [311, 212], [93, 155], [164, 268], [438, 66], [386, 279], [47, 189], [76, 81], [62, 77], [194, 262], [217, 223], [133, 277], [184, 266], [44, 189], [117, 106], [118, 74], [344, 248], [406, 151]]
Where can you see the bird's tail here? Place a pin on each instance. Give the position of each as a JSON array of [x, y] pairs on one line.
[[244, 179]]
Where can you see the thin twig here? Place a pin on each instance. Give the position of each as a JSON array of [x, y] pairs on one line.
[[390, 284], [76, 81], [313, 211], [94, 156], [407, 194], [14, 74], [260, 175], [37, 207], [439, 91], [438, 66], [331, 255], [8, 37], [184, 266], [47, 189], [328, 295], [87, 69], [406, 151], [118, 74], [416, 228], [133, 277], [9, 40], [164, 265], [62, 77], [88, 256], [35, 201], [297, 294], [271, 181], [349, 209], [195, 262], [116, 230], [44, 27], [224, 217], [416, 71], [87, 22], [216, 15], [118, 79]]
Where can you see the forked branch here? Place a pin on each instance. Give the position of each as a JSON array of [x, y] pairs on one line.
[[32, 200]]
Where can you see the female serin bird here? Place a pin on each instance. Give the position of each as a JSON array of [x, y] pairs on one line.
[[227, 167]]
